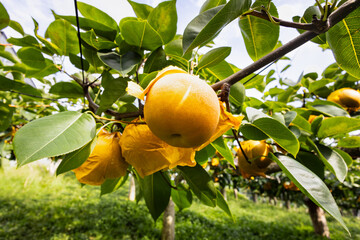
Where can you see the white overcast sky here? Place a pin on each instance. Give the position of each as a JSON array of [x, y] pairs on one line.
[[307, 58]]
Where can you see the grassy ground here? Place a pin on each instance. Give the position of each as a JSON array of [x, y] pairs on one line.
[[35, 205]]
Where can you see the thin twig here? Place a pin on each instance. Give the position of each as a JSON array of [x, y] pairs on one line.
[[333, 19]]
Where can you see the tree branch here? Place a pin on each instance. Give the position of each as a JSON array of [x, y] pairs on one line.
[[333, 19], [93, 106], [263, 15]]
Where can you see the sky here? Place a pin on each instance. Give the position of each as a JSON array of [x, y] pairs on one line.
[[307, 58]]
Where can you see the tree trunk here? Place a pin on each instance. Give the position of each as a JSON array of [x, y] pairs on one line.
[[236, 192], [223, 192], [254, 197], [132, 190], [287, 204], [168, 229], [318, 219]]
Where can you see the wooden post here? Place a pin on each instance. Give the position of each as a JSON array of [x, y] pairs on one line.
[[318, 219], [132, 190]]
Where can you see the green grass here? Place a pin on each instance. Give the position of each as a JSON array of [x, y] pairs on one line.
[[35, 205]]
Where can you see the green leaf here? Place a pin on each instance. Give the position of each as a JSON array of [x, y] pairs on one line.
[[88, 24], [6, 114], [91, 12], [121, 63], [200, 183], [260, 35], [7, 84], [275, 130], [312, 162], [204, 154], [31, 57], [76, 158], [67, 90], [39, 73], [349, 142], [347, 158], [95, 42], [208, 24], [214, 57], [8, 55], [182, 197], [332, 160], [156, 61], [208, 4], [251, 132], [163, 19], [26, 41], [17, 27], [157, 193], [311, 185], [237, 94], [76, 60], [337, 125], [4, 17], [140, 33], [302, 123], [222, 204], [221, 70], [92, 57], [63, 35], [329, 110], [141, 10], [113, 89], [344, 41], [52, 48], [220, 145], [52, 136], [111, 185]]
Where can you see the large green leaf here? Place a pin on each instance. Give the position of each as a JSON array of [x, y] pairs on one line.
[[88, 24], [221, 70], [222, 204], [344, 41], [181, 196], [51, 48], [157, 193], [76, 60], [113, 89], [111, 185], [208, 4], [200, 183], [337, 125], [76, 158], [4, 17], [140, 33], [214, 57], [67, 90], [220, 145], [349, 142], [329, 110], [237, 94], [260, 35], [17, 27], [92, 57], [8, 55], [204, 154], [275, 130], [53, 135], [7, 84], [251, 132], [31, 57], [121, 63], [163, 19], [63, 35], [312, 162], [156, 61], [332, 160], [311, 185], [6, 114], [141, 10], [98, 43], [26, 41], [97, 15], [39, 73], [208, 24]]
